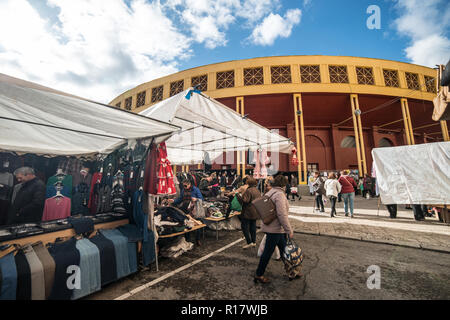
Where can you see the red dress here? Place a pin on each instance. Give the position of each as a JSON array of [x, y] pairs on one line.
[[165, 174]]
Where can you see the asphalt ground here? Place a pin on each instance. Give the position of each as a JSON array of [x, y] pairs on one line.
[[333, 268]]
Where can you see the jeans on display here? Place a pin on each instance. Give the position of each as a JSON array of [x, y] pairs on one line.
[[272, 240], [348, 199], [319, 202], [249, 229]]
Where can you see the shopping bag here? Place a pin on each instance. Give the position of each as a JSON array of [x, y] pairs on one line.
[[294, 190], [276, 253], [292, 257], [236, 205], [198, 211]]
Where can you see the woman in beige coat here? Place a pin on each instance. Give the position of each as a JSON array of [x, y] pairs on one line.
[[278, 230]]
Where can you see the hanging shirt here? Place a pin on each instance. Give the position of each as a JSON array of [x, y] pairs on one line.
[[66, 182], [56, 208]]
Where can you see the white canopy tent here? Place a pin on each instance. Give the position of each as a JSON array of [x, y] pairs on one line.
[[417, 174], [209, 126], [39, 120]]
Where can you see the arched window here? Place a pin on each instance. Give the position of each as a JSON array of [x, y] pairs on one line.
[[384, 142], [348, 142]]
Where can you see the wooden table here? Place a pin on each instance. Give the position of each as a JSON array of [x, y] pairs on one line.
[[217, 220], [52, 236], [183, 232]]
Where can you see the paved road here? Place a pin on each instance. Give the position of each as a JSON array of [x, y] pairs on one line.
[[333, 269]]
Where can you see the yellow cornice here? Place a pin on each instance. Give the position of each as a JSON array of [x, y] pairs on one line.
[[294, 61]]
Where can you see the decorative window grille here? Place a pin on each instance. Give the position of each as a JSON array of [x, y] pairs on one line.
[[176, 87], [412, 81], [391, 78], [310, 74], [253, 76], [201, 82], [128, 102], [430, 83], [140, 99], [338, 74], [157, 94], [281, 74], [365, 75], [225, 79]]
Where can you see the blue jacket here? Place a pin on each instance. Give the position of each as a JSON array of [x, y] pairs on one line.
[[195, 193]]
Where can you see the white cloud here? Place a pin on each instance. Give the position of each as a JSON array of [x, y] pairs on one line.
[[274, 26], [100, 48], [97, 50], [425, 23]]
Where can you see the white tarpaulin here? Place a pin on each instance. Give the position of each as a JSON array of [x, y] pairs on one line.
[[417, 174], [209, 126], [48, 123]]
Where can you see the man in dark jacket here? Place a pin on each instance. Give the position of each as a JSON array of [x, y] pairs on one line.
[[28, 205], [319, 190]]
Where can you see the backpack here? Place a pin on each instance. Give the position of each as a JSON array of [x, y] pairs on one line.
[[265, 208]]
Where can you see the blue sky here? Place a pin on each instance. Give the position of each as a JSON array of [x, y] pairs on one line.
[[98, 49]]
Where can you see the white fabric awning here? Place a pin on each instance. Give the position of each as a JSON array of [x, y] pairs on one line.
[[417, 174], [209, 126], [49, 123]]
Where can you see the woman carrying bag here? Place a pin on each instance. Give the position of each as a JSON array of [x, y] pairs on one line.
[[248, 213], [277, 230]]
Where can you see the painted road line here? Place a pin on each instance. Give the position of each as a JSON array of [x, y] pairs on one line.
[[168, 275]]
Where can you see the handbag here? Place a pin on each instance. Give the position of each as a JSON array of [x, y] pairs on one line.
[[294, 190], [265, 208], [292, 257]]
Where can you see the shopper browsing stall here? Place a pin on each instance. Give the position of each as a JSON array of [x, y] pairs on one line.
[[29, 202]]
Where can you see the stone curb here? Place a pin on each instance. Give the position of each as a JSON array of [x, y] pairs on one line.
[[419, 246]]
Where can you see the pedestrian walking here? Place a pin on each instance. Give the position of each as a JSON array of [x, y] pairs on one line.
[[278, 230], [332, 187], [310, 184], [367, 186], [348, 191], [248, 214], [319, 190]]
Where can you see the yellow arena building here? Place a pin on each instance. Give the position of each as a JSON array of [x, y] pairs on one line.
[[335, 109]]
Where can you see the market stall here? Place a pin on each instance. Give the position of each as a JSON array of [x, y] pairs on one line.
[[94, 160], [210, 129]]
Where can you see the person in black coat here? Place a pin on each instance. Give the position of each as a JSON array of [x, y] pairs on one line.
[[28, 205]]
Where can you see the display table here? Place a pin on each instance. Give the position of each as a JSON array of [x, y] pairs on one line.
[[217, 220], [52, 236], [183, 232]]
